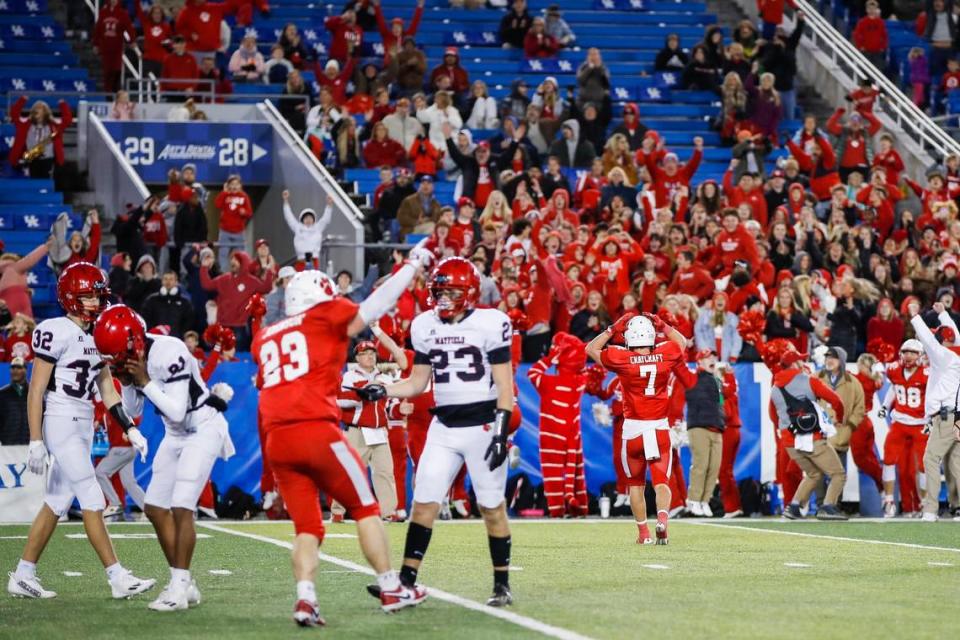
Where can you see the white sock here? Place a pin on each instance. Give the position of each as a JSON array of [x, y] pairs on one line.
[[180, 577], [306, 591], [114, 571], [388, 581], [26, 569]]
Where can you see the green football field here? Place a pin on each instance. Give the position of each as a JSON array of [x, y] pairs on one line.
[[571, 579]]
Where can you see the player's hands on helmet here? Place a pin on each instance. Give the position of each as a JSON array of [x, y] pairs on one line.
[[138, 442], [371, 392], [496, 453], [37, 457], [620, 325], [657, 322], [136, 368]]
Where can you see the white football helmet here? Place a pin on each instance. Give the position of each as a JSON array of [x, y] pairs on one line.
[[640, 332], [307, 289], [912, 345]]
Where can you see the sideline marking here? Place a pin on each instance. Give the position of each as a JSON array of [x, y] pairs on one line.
[[72, 574], [796, 565], [221, 572], [908, 545], [129, 536], [940, 564], [655, 566], [509, 616]]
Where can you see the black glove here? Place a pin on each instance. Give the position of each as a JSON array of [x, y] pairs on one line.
[[497, 451], [121, 417], [371, 392]]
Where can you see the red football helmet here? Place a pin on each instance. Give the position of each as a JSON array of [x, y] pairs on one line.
[[120, 333], [459, 277], [81, 280]]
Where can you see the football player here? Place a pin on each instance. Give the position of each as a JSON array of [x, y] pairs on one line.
[[644, 369], [300, 360], [905, 443], [162, 369], [466, 352], [67, 372]]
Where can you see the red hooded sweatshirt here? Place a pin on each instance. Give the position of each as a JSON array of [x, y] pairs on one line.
[[199, 23], [236, 209], [234, 290]]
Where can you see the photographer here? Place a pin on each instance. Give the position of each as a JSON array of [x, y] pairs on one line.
[[792, 406]]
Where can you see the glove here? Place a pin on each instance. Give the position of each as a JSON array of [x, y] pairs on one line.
[[882, 412], [657, 321], [138, 442], [371, 392], [37, 460], [420, 256], [618, 327], [497, 451]]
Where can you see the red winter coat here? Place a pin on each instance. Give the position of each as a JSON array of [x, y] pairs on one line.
[[234, 291], [21, 124], [870, 35], [823, 175], [387, 152], [182, 67], [110, 35], [338, 85], [737, 196], [199, 23], [154, 35], [545, 47], [92, 252], [236, 209], [458, 76], [664, 185], [343, 35], [738, 245]]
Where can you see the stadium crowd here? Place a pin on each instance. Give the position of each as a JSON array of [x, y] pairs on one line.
[[830, 245]]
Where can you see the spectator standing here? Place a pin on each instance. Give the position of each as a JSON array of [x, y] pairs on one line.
[[390, 200], [570, 149], [382, 150], [189, 227], [705, 423], [716, 329], [114, 29], [39, 129], [199, 23], [119, 276], [480, 108], [593, 81], [481, 170], [246, 63], [169, 306], [157, 32], [13, 279], [294, 48], [13, 406], [401, 126], [347, 36], [871, 38], [440, 113], [729, 492], [919, 69], [236, 210], [792, 406], [515, 25], [275, 299], [419, 211], [700, 74], [144, 283], [631, 127], [850, 392], [938, 28], [307, 231], [779, 57], [392, 36], [589, 322], [853, 148], [765, 107], [233, 291], [179, 65], [411, 68], [294, 109]]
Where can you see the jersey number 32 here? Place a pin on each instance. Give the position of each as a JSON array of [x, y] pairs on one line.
[[285, 361]]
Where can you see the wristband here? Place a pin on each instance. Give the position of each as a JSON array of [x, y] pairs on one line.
[[121, 417]]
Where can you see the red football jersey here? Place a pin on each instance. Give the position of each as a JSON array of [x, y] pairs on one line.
[[299, 362], [908, 393], [645, 378]]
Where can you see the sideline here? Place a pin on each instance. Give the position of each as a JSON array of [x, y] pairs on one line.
[[509, 616]]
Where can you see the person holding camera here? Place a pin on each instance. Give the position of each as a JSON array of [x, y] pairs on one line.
[[793, 408]]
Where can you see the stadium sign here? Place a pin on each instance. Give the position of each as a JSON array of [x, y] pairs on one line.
[[21, 492], [217, 149]]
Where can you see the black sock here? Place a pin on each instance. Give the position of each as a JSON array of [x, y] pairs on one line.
[[500, 556], [418, 539]]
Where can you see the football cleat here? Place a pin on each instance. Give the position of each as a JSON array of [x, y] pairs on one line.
[[792, 512], [830, 512], [128, 585], [113, 511], [307, 614], [28, 587], [956, 514], [929, 517], [622, 500], [642, 540], [707, 511], [374, 590], [677, 512], [193, 594], [662, 538], [445, 511], [402, 597], [733, 514], [501, 597], [171, 599], [462, 508], [269, 498], [400, 515], [336, 518], [889, 509]]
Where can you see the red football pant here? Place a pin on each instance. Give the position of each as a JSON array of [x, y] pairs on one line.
[[729, 492], [617, 444], [561, 461], [678, 484], [789, 473], [416, 440], [398, 449], [267, 481], [310, 458], [864, 454], [634, 461], [904, 449]]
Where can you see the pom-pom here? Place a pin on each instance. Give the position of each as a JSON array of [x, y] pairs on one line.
[[751, 326], [819, 355], [883, 351], [772, 351], [594, 384], [223, 391], [601, 414], [256, 306]]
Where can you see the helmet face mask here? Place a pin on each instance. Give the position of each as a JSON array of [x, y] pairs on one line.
[[120, 335], [79, 282], [447, 301], [454, 287]]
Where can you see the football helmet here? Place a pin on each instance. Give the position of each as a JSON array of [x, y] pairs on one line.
[[81, 280], [120, 333], [912, 345], [640, 333], [307, 289], [461, 279]]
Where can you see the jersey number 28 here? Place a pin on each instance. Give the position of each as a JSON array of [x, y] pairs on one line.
[[293, 347]]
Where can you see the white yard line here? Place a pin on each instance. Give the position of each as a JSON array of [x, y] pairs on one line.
[[519, 620], [823, 536]]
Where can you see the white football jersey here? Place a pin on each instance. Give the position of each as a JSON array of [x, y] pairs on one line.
[[461, 355], [77, 363], [176, 373]]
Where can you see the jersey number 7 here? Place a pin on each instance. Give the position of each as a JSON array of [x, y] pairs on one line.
[[293, 348], [650, 371]]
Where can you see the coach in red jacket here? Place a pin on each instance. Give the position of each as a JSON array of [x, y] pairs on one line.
[[233, 291]]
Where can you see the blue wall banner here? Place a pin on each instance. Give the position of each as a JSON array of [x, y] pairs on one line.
[[219, 149]]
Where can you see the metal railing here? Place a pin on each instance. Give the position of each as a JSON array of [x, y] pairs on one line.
[[910, 119]]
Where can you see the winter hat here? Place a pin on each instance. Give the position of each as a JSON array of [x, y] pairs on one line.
[[306, 212], [145, 259], [451, 51], [784, 275], [843, 271], [464, 201], [332, 63], [837, 352], [116, 261]]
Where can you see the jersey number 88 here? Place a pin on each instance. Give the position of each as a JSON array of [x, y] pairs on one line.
[[293, 346]]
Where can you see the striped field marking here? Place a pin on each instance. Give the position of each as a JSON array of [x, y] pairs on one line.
[[514, 618]]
